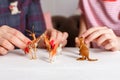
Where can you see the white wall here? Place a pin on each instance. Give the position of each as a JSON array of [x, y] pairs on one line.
[[60, 7]]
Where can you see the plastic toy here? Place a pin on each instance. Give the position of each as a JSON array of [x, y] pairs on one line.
[[83, 49], [52, 48], [32, 46]]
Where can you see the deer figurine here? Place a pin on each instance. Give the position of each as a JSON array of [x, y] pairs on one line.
[[51, 47], [32, 46]]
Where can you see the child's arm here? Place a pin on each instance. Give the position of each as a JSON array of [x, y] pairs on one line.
[[82, 27]]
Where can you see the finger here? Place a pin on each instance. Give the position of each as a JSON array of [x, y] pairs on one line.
[[102, 39], [77, 42], [95, 35], [114, 49], [15, 41], [3, 51], [64, 43], [110, 45], [91, 30], [6, 44], [53, 35], [64, 39], [59, 37], [18, 34], [65, 36]]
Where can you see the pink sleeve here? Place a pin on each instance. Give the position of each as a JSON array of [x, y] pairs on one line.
[[80, 6]]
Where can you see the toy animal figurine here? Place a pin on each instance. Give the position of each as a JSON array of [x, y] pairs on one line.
[[53, 52], [32, 46], [83, 49], [47, 42], [14, 8], [52, 48]]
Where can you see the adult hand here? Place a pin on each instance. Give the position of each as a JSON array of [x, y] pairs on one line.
[[9, 38], [57, 36], [103, 36]]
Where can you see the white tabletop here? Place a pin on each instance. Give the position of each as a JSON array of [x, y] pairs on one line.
[[17, 66]]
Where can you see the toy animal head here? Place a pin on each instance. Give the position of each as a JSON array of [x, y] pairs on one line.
[[14, 4], [79, 41], [32, 34], [14, 8]]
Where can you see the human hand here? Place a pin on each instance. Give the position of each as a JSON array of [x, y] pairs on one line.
[[9, 38], [57, 36], [103, 36]]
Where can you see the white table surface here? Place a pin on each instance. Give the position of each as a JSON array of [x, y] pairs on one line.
[[17, 66]]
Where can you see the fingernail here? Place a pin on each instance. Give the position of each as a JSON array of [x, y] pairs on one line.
[[26, 50], [52, 43]]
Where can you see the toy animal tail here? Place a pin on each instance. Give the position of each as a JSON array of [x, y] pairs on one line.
[[92, 59]]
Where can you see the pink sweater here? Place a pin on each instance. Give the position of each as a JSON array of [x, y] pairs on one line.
[[102, 13]]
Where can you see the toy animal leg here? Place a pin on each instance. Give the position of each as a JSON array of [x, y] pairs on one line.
[[51, 59], [34, 54], [81, 58], [30, 54]]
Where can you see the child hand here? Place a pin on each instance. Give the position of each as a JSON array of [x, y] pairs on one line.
[[103, 36]]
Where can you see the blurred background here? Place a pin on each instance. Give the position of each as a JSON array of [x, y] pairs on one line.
[[60, 7], [63, 15]]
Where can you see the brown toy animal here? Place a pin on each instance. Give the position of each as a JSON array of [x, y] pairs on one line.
[[84, 51]]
